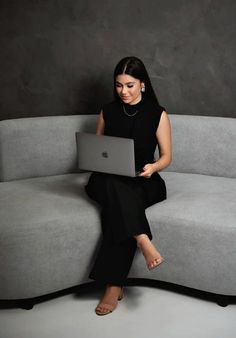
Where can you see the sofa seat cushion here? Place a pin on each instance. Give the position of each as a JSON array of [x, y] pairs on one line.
[[206, 200], [195, 230], [48, 224]]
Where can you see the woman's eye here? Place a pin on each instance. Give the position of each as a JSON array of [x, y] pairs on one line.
[[130, 86]]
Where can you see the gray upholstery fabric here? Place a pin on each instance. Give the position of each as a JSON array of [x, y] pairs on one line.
[[203, 145], [50, 230], [195, 230], [41, 146]]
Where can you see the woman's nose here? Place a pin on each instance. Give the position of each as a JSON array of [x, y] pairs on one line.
[[123, 90]]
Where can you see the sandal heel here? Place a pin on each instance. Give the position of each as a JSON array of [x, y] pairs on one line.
[[121, 296]]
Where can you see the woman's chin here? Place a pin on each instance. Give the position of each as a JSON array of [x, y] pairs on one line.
[[125, 100]]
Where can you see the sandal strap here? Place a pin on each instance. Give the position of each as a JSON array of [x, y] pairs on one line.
[[107, 307]]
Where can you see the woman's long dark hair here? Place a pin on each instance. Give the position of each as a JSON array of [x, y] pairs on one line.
[[134, 67]]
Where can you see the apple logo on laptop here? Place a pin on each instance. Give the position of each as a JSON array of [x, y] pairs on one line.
[[105, 154]]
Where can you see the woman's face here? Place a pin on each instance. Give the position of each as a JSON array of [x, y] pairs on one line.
[[128, 88]]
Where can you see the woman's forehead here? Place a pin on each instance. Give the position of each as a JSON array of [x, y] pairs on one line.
[[125, 78]]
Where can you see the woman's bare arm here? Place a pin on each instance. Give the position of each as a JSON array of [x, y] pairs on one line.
[[163, 135], [100, 125]]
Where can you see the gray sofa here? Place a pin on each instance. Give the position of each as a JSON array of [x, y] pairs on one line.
[[50, 230]]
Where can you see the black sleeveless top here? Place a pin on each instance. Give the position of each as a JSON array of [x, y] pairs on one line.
[[141, 127]]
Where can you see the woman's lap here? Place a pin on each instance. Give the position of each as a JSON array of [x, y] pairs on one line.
[[151, 190]]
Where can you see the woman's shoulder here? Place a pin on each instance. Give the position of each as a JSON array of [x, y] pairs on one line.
[[154, 106]]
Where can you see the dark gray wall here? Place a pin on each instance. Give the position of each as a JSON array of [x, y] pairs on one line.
[[57, 56]]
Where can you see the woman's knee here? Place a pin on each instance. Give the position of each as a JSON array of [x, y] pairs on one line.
[[96, 187]]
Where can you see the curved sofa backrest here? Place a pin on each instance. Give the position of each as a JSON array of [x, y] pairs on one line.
[[41, 146], [203, 145]]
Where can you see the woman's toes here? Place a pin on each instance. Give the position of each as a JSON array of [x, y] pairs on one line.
[[104, 309], [155, 263], [109, 301]]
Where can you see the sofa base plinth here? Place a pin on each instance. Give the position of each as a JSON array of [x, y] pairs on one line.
[[26, 304], [219, 299], [223, 301], [29, 303]]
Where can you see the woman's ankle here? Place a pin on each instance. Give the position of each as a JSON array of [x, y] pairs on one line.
[[140, 238], [113, 287]]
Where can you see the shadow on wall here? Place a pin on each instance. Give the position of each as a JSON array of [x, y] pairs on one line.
[[82, 97], [57, 57], [92, 95]]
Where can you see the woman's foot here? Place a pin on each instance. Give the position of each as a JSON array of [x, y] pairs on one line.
[[109, 300], [152, 256]]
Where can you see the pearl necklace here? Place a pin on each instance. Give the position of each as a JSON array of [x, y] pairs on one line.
[[127, 114]]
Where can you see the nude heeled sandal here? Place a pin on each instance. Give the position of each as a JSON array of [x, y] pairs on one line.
[[154, 264], [108, 307], [121, 296]]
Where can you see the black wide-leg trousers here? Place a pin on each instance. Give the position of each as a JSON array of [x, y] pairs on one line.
[[123, 201]]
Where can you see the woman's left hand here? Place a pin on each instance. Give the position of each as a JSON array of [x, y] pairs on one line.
[[148, 170]]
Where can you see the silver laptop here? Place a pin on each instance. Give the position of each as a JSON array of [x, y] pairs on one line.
[[108, 154]]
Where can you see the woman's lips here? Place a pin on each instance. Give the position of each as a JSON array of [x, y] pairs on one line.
[[124, 97]]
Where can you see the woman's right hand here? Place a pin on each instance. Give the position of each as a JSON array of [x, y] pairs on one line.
[[148, 170]]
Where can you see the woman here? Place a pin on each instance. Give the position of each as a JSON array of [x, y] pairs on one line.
[[135, 113]]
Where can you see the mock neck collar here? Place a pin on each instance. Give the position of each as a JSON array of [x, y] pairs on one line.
[[135, 106]]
